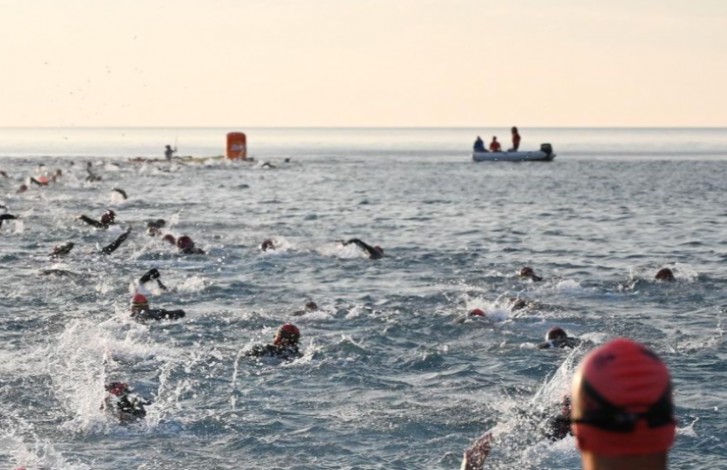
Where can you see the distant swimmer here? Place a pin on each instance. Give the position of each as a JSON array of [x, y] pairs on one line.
[[152, 275], [479, 145], [310, 306], [169, 238], [124, 405], [267, 165], [60, 251], [154, 227], [285, 344], [121, 192], [528, 273], [111, 247], [665, 274], [187, 247], [4, 217], [558, 426], [140, 311], [40, 181], [108, 218], [91, 176], [3, 174], [556, 337], [373, 252], [476, 312], [515, 139], [268, 245], [495, 145], [169, 152]]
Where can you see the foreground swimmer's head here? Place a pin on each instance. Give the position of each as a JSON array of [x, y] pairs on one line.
[[267, 245], [665, 274], [117, 388], [108, 217], [139, 303], [476, 312], [287, 335], [185, 243], [622, 407]]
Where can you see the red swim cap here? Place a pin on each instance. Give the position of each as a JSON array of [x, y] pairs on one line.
[[184, 243], [117, 388], [622, 401], [288, 332], [477, 312], [108, 217], [139, 301]]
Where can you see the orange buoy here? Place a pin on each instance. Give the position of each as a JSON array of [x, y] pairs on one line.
[[236, 145]]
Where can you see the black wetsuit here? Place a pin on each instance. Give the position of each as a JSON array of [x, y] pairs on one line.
[[62, 250], [110, 248], [557, 427], [193, 251], [152, 275], [372, 252], [157, 314], [568, 342], [129, 408], [288, 353], [4, 217], [93, 222]]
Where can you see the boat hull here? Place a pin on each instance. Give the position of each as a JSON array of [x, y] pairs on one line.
[[531, 156]]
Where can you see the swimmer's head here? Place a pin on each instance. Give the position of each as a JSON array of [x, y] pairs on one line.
[[311, 306], [267, 245], [556, 334], [23, 187], [169, 238], [476, 312], [139, 303], [185, 243], [379, 250], [527, 271], [287, 335], [117, 388], [622, 402], [665, 274], [108, 217]]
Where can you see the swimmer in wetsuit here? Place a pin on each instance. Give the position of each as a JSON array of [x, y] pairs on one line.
[[141, 312], [557, 338], [528, 273], [108, 218], [4, 217], [665, 274], [285, 344], [373, 252], [124, 405], [186, 246], [152, 275]]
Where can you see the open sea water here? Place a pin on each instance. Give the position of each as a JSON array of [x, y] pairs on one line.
[[394, 375]]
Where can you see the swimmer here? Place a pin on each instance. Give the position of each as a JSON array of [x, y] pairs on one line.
[[41, 181], [63, 273], [141, 312], [170, 239], [124, 405], [558, 426], [152, 275], [310, 306], [623, 411], [186, 246], [557, 338], [373, 252], [267, 165], [22, 188], [169, 151], [4, 217], [528, 273], [107, 218], [476, 312], [60, 251], [285, 344], [665, 274], [154, 227], [3, 174], [267, 245], [121, 192], [110, 248], [91, 175]]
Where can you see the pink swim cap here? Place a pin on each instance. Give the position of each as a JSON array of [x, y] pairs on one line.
[[622, 401], [477, 312]]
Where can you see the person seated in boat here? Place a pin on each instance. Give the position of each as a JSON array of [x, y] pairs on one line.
[[479, 145], [373, 252], [107, 218], [515, 140], [556, 337], [169, 152], [665, 274], [285, 344], [186, 246], [495, 145], [528, 273], [140, 311], [124, 405]]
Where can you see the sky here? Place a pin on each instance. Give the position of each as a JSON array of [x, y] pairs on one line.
[[363, 63]]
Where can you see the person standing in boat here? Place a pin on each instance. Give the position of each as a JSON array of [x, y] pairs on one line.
[[495, 145], [515, 139], [479, 145], [169, 152]]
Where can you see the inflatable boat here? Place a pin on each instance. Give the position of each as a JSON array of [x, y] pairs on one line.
[[545, 154]]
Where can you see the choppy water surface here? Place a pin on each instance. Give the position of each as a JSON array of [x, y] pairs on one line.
[[391, 376]]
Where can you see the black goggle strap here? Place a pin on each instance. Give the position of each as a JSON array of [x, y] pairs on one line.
[[610, 417]]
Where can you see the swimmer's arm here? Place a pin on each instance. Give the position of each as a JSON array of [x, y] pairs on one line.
[[475, 455], [107, 250], [364, 246], [90, 221]]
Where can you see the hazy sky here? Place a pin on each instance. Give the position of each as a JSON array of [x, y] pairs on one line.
[[363, 63]]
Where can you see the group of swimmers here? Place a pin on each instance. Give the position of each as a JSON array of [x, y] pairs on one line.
[[495, 146]]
